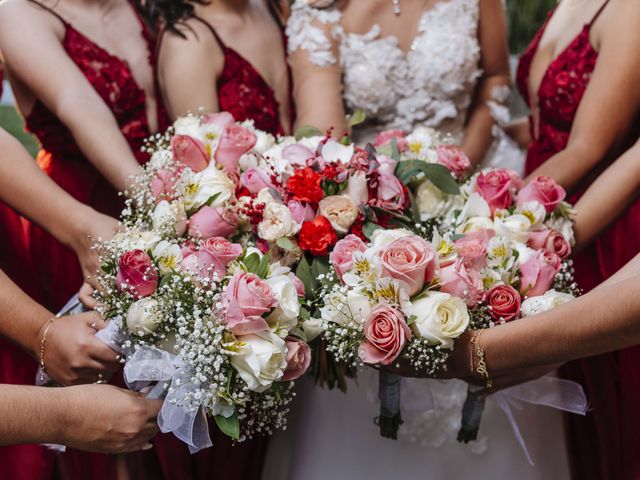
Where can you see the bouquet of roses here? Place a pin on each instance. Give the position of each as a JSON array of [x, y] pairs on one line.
[[203, 315], [409, 294]]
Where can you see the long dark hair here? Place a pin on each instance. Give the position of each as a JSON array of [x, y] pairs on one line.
[[171, 13]]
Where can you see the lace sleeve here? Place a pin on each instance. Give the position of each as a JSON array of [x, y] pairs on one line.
[[314, 30]]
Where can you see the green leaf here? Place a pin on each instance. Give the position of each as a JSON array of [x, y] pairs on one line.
[[319, 266], [304, 314], [230, 426], [357, 117], [166, 279], [307, 131], [285, 244], [330, 187], [212, 199], [264, 266], [303, 272], [411, 320], [395, 153], [368, 228], [439, 175], [252, 263]]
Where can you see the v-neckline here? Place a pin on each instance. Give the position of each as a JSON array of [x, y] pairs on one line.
[[535, 93]]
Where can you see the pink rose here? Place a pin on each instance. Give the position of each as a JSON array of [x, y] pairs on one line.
[[163, 184], [212, 258], [410, 260], [472, 248], [189, 152], [386, 333], [212, 222], [543, 190], [137, 274], [550, 240], [504, 301], [462, 282], [342, 255], [248, 297], [496, 187], [537, 273], [298, 359], [386, 165], [301, 212], [255, 180], [453, 158], [219, 120], [383, 139], [390, 193], [297, 155], [235, 141]]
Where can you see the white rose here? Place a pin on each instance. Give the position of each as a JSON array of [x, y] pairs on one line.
[[277, 223], [144, 317], [199, 188], [543, 303], [312, 329], [534, 211], [136, 240], [440, 318], [340, 210], [247, 161], [430, 200], [260, 360], [335, 152], [382, 237], [517, 227], [285, 316], [190, 126], [169, 217], [168, 256], [357, 188], [475, 224]]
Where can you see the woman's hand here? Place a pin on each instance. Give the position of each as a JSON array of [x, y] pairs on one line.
[[73, 355], [104, 418]]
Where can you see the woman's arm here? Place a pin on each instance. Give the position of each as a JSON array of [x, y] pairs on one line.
[[30, 41], [613, 191], [72, 354], [317, 76], [97, 418], [188, 68], [495, 67], [519, 132], [74, 224], [611, 102]]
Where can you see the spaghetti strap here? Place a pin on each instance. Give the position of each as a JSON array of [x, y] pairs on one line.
[[212, 30], [600, 10], [51, 11]]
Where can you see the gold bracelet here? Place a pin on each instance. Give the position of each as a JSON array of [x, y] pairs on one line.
[[478, 362], [43, 344]]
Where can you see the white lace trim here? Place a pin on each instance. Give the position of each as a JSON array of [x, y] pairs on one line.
[[305, 32]]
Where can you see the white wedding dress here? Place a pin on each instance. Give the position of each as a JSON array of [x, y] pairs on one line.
[[331, 435]]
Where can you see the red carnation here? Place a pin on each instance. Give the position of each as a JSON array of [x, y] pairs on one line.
[[317, 236], [305, 186]]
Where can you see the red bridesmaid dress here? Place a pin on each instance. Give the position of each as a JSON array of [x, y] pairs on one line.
[[602, 444]]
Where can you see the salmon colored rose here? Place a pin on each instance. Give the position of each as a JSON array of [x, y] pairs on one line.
[[386, 333], [504, 301], [298, 359], [189, 152]]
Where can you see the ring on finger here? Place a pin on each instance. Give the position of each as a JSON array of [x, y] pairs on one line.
[[119, 358], [101, 379], [94, 325]]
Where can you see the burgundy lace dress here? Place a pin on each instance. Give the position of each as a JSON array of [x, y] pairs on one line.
[[602, 444]]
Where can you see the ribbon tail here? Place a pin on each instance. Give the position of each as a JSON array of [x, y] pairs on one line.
[[503, 403]]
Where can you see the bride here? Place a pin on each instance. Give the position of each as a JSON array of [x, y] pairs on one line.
[[407, 63]]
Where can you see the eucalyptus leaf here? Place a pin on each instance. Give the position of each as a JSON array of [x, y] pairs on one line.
[[395, 153], [303, 272], [306, 131], [319, 266], [285, 244], [230, 426], [368, 228], [357, 117]]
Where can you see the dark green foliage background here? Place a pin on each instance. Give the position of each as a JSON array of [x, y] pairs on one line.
[[525, 17]]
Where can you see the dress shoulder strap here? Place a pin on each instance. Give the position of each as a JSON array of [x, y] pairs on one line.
[[600, 10], [51, 11], [212, 30]]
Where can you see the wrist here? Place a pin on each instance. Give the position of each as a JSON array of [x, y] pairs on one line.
[[59, 407], [34, 343], [76, 231]]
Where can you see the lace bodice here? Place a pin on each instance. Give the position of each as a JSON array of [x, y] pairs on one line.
[[431, 85]]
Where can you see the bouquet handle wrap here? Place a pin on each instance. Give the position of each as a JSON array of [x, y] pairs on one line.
[[472, 411], [390, 417]]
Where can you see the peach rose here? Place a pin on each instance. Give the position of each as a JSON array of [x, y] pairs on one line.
[[410, 260], [340, 210], [386, 333], [189, 152]]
